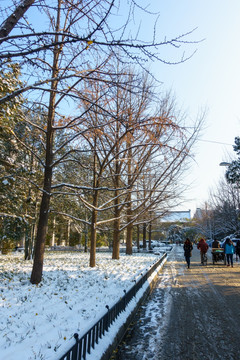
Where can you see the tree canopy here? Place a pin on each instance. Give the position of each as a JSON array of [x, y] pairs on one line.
[[92, 128]]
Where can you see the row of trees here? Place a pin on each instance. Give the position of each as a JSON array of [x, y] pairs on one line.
[[84, 136], [220, 216]]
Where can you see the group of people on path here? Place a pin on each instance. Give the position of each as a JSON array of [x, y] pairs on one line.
[[229, 249]]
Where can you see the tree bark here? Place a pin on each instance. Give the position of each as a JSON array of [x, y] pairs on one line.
[[44, 208], [138, 238], [130, 225], [85, 238], [150, 236], [144, 236], [116, 226], [37, 269], [53, 232], [12, 20], [116, 237], [93, 239], [129, 195], [129, 239]]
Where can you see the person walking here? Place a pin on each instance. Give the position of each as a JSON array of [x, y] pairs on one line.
[[187, 246], [229, 250], [203, 247]]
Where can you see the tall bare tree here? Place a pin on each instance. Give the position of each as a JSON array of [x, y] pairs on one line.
[[139, 145], [225, 201]]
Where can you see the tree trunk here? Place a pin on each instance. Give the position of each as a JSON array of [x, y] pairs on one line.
[[144, 236], [150, 236], [26, 248], [61, 240], [116, 237], [85, 238], [36, 275], [129, 239], [44, 212], [130, 226], [33, 235], [116, 224], [138, 237], [68, 232], [37, 269], [53, 232], [93, 239], [8, 25], [129, 197]]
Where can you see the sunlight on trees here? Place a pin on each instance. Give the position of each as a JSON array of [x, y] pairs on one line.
[[123, 146]]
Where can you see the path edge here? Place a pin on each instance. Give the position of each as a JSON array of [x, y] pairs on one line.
[[123, 328]]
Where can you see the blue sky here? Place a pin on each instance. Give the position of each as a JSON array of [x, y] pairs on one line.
[[210, 79]]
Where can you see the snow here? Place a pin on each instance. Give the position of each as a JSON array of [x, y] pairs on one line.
[[38, 322]]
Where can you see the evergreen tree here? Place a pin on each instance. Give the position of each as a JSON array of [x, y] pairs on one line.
[[233, 171], [19, 172], [10, 112]]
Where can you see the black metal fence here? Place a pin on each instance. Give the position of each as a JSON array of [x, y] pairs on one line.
[[88, 341], [98, 250]]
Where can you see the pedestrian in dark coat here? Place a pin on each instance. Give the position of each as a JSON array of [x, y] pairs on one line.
[[215, 244], [187, 246]]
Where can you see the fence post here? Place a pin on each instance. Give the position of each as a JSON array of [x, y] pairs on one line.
[[84, 346], [135, 281], [125, 298], [75, 350], [107, 322]]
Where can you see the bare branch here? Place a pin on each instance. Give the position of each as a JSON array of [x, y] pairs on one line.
[[7, 26]]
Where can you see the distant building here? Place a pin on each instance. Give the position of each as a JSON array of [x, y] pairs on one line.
[[173, 216]]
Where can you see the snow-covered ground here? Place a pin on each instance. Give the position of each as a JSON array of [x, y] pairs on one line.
[[38, 322]]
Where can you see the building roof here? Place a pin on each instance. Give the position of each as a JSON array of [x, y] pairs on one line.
[[173, 216]]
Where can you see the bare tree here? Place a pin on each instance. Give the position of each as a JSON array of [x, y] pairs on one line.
[[148, 159], [106, 143], [159, 165], [225, 202]]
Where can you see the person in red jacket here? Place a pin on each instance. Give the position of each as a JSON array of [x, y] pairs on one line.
[[203, 247]]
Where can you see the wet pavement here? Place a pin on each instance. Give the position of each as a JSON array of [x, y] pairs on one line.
[[192, 314]]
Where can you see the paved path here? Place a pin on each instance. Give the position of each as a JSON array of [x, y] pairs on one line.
[[192, 314]]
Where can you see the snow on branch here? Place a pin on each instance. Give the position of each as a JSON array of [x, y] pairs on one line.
[[70, 216]]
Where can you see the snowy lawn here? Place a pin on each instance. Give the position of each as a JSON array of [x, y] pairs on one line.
[[38, 322]]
